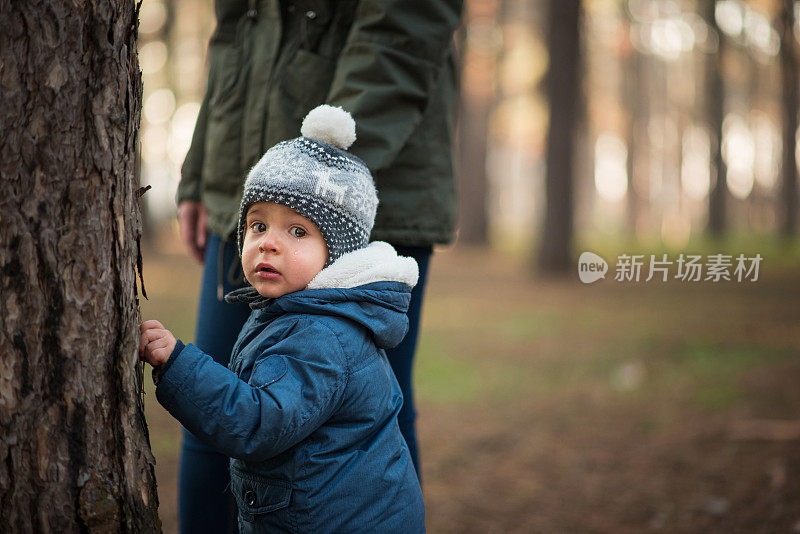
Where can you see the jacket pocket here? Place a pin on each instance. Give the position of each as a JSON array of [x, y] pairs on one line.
[[307, 82], [224, 68], [222, 173], [257, 496]]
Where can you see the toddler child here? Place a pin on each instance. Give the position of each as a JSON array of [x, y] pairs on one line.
[[307, 409]]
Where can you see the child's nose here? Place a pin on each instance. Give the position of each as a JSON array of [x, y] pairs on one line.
[[268, 243]]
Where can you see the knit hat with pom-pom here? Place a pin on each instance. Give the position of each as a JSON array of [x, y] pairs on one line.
[[316, 176]]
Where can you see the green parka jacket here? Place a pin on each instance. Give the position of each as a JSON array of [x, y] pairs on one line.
[[389, 63]]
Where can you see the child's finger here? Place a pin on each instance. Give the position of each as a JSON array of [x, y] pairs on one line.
[[143, 340], [149, 336], [152, 323], [158, 351], [145, 337], [157, 343]]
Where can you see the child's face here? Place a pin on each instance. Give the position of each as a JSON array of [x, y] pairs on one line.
[[283, 251]]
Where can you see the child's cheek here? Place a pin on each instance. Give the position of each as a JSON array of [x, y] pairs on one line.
[[247, 260]]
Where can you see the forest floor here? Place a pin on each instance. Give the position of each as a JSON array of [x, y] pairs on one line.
[[560, 407]]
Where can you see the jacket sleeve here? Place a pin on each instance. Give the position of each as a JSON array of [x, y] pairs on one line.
[[189, 186], [293, 389], [388, 69]]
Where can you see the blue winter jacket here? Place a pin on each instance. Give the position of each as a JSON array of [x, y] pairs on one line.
[[307, 410]]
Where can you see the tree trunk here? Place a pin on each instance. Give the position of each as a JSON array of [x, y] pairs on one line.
[[478, 68], [790, 102], [473, 126], [564, 94], [74, 449], [633, 95], [715, 98]]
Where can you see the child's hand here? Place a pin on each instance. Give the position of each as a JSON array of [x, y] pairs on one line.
[[156, 343]]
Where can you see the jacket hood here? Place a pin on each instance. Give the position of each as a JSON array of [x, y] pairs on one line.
[[370, 286]]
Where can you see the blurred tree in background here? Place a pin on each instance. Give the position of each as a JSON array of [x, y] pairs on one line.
[[715, 103], [790, 103], [479, 43], [564, 95]]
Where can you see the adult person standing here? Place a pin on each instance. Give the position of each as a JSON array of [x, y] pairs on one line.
[[391, 65]]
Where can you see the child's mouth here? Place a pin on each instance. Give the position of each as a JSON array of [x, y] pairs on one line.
[[265, 271]]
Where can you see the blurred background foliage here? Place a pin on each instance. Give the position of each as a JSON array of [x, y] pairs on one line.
[[618, 126]]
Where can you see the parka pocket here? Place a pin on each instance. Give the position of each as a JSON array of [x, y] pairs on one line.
[[257, 496], [222, 169], [307, 82], [225, 68]]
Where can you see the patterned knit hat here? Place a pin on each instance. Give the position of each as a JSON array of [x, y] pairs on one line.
[[316, 177]]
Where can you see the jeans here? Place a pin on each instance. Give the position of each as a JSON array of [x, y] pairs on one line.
[[401, 357], [205, 502]]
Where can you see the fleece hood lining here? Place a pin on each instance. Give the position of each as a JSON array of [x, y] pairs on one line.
[[377, 262]]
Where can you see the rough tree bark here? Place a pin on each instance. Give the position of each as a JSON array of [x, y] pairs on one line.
[[564, 95], [74, 449]]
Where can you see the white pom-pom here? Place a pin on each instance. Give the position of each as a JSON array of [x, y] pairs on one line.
[[331, 125]]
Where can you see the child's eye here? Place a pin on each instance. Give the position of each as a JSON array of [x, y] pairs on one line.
[[258, 227], [297, 231]]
